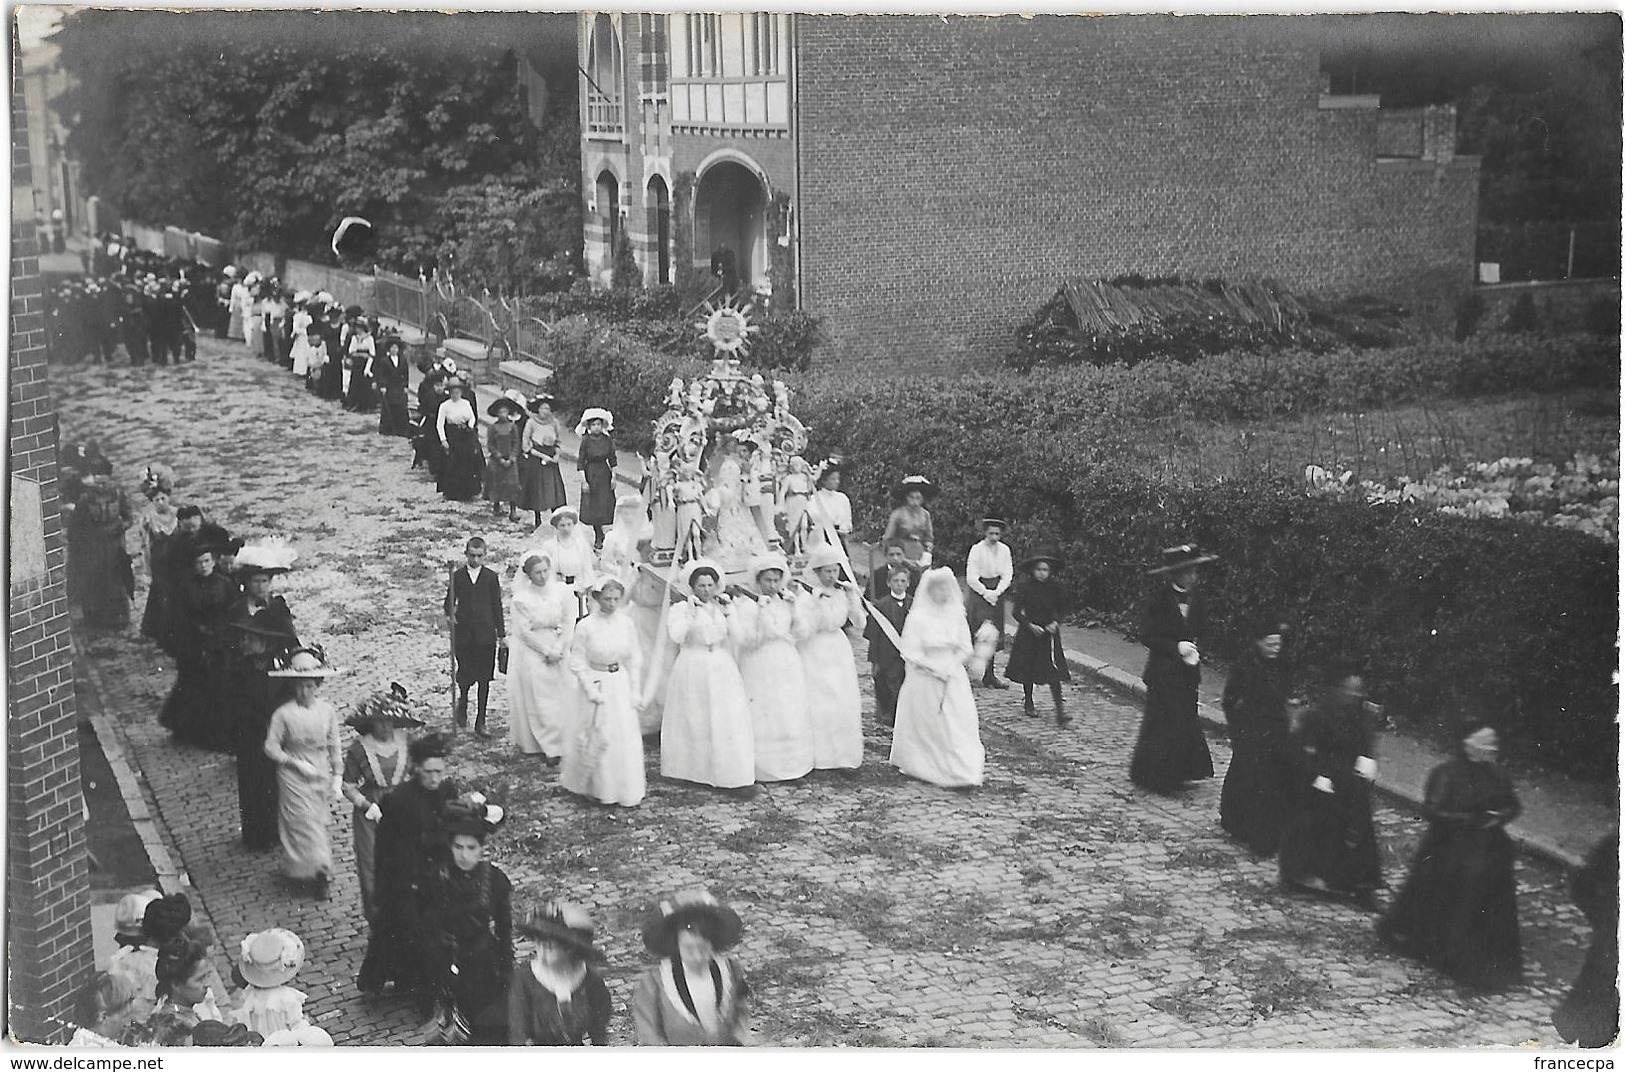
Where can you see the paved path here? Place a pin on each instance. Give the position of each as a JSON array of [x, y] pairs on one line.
[[1053, 907]]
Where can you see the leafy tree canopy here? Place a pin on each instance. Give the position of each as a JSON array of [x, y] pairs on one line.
[[266, 128]]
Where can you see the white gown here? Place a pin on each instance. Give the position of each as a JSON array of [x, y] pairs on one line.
[[541, 695], [937, 738], [771, 668], [301, 351], [572, 559], [705, 732], [643, 603], [834, 704], [603, 755]]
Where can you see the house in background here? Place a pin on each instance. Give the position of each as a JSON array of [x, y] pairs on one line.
[[921, 183]]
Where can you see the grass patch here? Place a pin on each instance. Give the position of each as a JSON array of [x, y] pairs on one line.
[[957, 924], [1201, 856], [1273, 986], [773, 828]]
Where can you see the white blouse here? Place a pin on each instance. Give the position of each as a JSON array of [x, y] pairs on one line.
[[457, 412], [833, 508]]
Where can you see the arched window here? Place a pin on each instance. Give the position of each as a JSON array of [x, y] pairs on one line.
[[604, 78]]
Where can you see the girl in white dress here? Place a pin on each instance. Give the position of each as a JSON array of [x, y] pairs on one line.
[[603, 760], [570, 548], [541, 686], [301, 336], [771, 668], [834, 704], [705, 733], [937, 738]]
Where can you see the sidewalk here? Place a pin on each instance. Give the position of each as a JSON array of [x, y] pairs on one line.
[[1562, 818]]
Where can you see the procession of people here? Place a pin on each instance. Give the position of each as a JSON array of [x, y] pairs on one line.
[[740, 670]]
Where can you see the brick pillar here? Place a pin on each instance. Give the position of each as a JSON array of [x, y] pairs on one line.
[[47, 870]]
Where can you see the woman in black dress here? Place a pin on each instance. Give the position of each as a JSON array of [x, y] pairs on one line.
[[392, 373], [1035, 655], [1330, 844], [1458, 910], [462, 466], [262, 639], [468, 916], [409, 844], [558, 998], [100, 578], [195, 711], [1257, 791], [596, 461], [1171, 749], [1589, 1015]]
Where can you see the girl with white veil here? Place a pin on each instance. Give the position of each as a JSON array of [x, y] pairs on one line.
[[937, 738]]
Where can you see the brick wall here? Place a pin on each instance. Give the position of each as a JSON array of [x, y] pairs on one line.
[[954, 171], [47, 871]]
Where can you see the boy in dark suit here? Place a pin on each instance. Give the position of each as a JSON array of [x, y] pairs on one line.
[[474, 608], [885, 661]]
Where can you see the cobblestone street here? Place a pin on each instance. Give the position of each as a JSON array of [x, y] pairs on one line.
[[1055, 906]]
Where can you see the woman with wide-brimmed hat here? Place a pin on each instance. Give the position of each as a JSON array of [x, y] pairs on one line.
[[595, 458], [705, 732], [541, 485], [374, 763], [410, 844], [392, 372], [695, 995], [910, 521], [1035, 655], [1171, 749], [462, 467], [770, 665], [262, 639], [937, 738], [195, 711], [468, 917], [1257, 795], [603, 755], [502, 453], [541, 688], [303, 741], [559, 997], [824, 610]]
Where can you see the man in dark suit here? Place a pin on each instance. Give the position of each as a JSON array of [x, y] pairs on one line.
[[880, 576], [1171, 749], [474, 608], [885, 660]]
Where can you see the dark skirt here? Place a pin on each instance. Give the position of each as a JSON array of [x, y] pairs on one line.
[[462, 467], [977, 611], [1458, 910], [541, 487], [394, 417], [1171, 749], [257, 796], [1255, 801], [476, 663], [103, 582], [502, 481], [1589, 1015], [330, 384], [1036, 660], [598, 495], [1332, 838], [361, 396], [395, 947], [473, 988], [198, 711]]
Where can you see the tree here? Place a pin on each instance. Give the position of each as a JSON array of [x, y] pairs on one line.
[[266, 128]]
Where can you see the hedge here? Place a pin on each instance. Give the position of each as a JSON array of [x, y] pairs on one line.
[[1454, 614]]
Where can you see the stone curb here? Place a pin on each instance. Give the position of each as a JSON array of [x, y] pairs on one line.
[[149, 826], [1129, 684]]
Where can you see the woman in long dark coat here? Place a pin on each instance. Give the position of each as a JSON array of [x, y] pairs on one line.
[[1171, 749], [196, 712], [392, 373], [426, 439], [410, 843], [1256, 799], [262, 639], [100, 575], [1330, 844], [1458, 910], [1589, 1015], [1035, 654], [160, 544], [596, 462], [469, 923]]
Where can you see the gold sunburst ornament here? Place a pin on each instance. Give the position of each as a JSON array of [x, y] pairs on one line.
[[728, 327]]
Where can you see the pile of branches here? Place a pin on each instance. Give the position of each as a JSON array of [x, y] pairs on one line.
[[1132, 319]]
